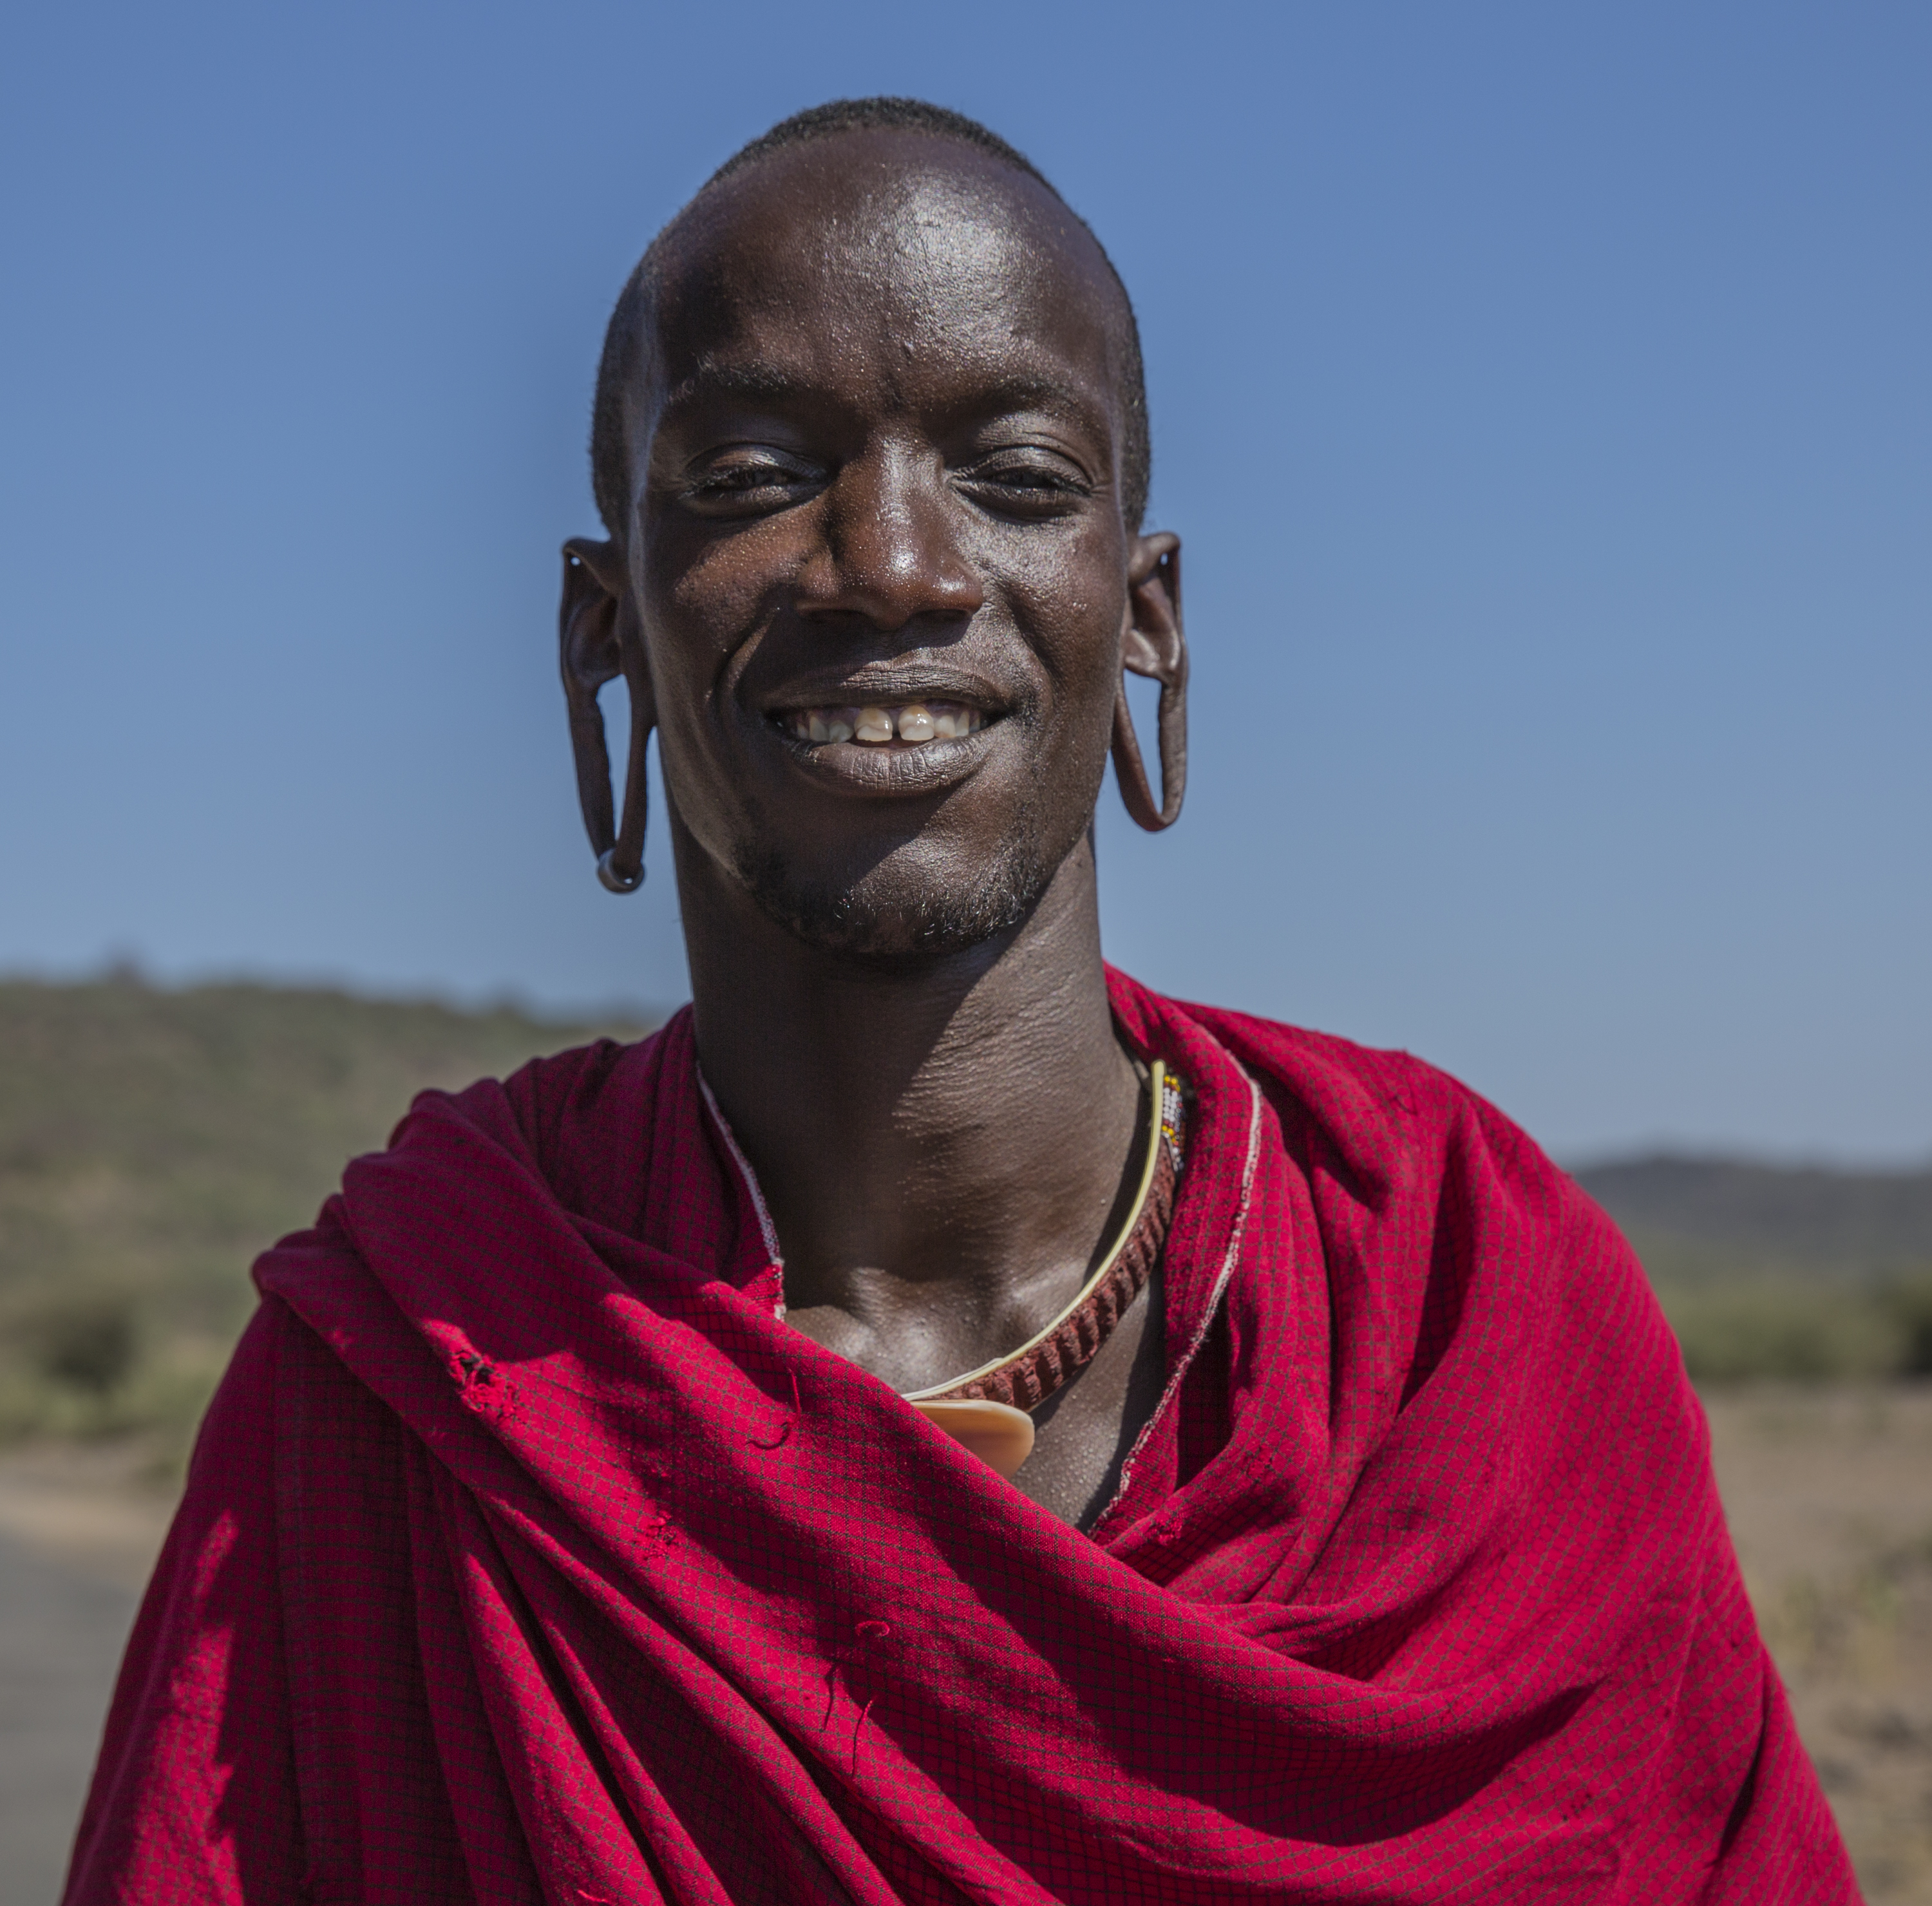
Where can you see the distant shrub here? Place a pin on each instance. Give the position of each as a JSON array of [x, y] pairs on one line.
[[1909, 1300], [89, 1342], [94, 1366]]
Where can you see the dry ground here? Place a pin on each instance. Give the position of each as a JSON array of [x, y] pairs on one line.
[[79, 1529], [1829, 1493]]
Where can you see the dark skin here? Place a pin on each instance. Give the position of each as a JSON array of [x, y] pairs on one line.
[[875, 459]]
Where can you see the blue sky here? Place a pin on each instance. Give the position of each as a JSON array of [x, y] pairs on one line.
[[1543, 393]]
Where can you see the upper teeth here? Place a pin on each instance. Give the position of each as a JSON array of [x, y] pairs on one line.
[[915, 721]]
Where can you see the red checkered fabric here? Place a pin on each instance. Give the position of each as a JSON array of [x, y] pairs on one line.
[[527, 1555]]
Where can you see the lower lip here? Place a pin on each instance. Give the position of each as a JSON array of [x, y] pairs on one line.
[[887, 769]]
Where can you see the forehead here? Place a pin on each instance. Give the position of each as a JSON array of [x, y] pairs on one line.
[[884, 258]]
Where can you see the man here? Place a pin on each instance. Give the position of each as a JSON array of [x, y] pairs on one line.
[[937, 1422]]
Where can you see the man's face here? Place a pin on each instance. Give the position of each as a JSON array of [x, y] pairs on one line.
[[876, 545]]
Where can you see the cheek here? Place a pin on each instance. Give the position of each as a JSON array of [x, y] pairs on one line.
[[710, 802], [700, 618], [687, 661], [703, 608], [1070, 603]]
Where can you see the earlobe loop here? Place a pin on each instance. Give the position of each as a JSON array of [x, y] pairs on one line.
[[1159, 651], [598, 647], [1130, 769], [621, 866]]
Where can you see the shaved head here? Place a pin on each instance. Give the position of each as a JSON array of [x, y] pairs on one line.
[[992, 183]]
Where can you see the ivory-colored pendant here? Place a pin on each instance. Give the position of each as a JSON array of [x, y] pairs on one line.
[[1000, 1436]]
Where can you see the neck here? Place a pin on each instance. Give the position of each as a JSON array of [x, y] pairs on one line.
[[941, 1146]]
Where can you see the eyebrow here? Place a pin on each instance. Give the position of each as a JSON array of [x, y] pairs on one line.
[[741, 380]]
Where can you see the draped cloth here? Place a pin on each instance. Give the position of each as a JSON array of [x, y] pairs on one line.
[[528, 1555]]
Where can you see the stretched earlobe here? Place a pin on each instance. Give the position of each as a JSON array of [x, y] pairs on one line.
[[1152, 645], [599, 639]]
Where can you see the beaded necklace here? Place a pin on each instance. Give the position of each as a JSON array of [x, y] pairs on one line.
[[987, 1409]]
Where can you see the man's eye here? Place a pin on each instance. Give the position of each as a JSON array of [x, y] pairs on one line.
[[748, 488], [1029, 484]]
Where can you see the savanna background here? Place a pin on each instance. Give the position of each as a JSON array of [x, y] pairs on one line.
[[1543, 396]]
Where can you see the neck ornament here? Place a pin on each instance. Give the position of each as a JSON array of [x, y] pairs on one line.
[[987, 1409]]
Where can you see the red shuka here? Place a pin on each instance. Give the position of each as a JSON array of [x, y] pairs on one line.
[[527, 1555]]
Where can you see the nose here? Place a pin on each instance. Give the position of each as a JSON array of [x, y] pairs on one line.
[[890, 551]]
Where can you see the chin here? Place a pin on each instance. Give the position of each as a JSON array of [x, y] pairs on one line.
[[896, 916]]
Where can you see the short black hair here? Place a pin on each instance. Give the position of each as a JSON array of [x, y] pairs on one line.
[[624, 338]]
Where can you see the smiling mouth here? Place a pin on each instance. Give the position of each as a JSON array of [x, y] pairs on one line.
[[880, 724]]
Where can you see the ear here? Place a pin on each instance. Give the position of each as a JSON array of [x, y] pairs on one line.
[[599, 639], [1153, 644]]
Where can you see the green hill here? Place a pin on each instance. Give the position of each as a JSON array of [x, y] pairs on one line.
[[152, 1141], [1706, 1218]]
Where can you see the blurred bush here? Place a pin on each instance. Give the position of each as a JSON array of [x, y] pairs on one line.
[[1910, 1301], [89, 1343], [1800, 1272], [1742, 1329]]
